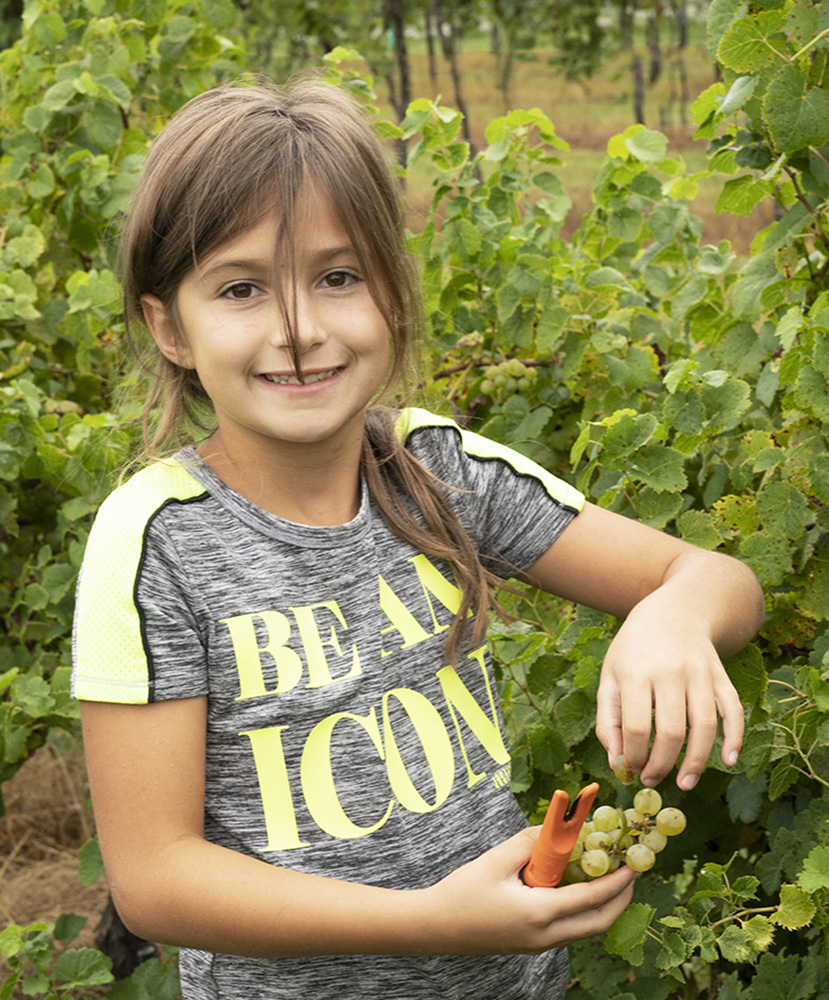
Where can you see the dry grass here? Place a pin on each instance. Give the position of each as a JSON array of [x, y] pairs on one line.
[[46, 822]]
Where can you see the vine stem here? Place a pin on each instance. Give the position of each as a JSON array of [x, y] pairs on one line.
[[740, 914], [808, 45]]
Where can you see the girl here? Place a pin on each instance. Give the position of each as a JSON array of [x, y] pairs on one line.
[[296, 757]]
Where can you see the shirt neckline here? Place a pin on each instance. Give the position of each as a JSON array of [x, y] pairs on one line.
[[307, 535]]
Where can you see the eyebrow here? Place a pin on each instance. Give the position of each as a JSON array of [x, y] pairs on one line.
[[254, 264]]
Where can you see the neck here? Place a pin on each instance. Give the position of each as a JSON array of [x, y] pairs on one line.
[[317, 485]]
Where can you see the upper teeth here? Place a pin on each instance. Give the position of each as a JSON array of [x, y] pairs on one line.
[[293, 380]]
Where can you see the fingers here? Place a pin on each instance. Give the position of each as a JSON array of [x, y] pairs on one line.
[[685, 702], [585, 923]]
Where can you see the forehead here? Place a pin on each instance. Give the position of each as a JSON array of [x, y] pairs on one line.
[[312, 227]]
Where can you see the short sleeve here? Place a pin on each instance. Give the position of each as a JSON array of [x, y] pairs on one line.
[[132, 608], [512, 507]]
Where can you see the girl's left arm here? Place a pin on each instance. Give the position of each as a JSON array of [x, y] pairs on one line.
[[684, 608]]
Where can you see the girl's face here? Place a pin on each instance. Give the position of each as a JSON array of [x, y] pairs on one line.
[[231, 331]]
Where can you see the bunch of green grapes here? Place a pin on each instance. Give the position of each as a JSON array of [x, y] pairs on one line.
[[633, 836], [507, 378]]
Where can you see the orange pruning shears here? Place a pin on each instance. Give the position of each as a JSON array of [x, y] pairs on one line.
[[558, 837]]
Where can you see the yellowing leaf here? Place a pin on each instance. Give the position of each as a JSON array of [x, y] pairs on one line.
[[796, 908]]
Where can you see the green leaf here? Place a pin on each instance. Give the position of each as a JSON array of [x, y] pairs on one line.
[[748, 673], [769, 557], [738, 94], [782, 510], [672, 953], [796, 908], [753, 43], [90, 862], [815, 873], [647, 146], [68, 926], [740, 196], [660, 467], [82, 967], [735, 944], [760, 931], [797, 114], [745, 798], [699, 528], [626, 936]]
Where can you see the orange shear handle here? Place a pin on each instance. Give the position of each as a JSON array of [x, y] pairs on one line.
[[558, 837]]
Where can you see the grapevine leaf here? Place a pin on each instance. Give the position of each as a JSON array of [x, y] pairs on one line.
[[761, 931], [745, 798], [781, 977], [796, 908], [647, 146], [740, 196], [90, 862], [782, 510], [753, 43], [699, 528], [82, 967], [796, 114], [738, 94], [735, 944], [770, 558], [660, 467], [748, 673], [672, 953], [626, 935], [815, 873]]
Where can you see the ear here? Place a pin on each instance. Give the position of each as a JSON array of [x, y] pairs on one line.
[[163, 329]]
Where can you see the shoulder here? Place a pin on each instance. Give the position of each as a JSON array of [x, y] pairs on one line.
[[436, 440], [129, 509]]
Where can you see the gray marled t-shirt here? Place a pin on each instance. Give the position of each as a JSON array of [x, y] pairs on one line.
[[339, 741]]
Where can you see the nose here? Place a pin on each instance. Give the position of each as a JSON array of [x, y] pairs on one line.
[[298, 326]]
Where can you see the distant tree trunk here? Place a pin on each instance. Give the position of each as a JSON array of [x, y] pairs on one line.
[[447, 42], [654, 44], [400, 90], [430, 45], [638, 90], [396, 19], [627, 10], [680, 9]]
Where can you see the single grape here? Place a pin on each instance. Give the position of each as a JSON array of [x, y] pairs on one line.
[[532, 374], [487, 387], [606, 818], [622, 771], [599, 840], [577, 851], [511, 384], [615, 862], [670, 821], [491, 371], [647, 801], [523, 383], [654, 839], [633, 818], [573, 873], [628, 840], [640, 858], [516, 368], [586, 828], [594, 863]]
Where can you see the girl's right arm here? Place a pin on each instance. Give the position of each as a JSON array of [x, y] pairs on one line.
[[170, 885]]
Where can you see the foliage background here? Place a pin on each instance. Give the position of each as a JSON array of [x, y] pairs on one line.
[[672, 380]]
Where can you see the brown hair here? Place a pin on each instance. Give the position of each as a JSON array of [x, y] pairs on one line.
[[225, 158]]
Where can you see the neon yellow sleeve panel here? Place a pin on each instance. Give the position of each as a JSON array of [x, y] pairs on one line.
[[477, 446], [111, 662]]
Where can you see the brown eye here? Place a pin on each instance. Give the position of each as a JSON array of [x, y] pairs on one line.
[[339, 279], [241, 290]]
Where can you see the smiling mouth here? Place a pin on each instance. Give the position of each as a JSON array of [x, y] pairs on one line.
[[294, 380]]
